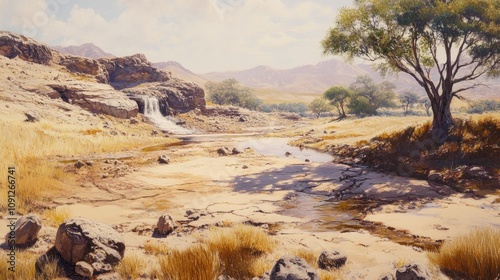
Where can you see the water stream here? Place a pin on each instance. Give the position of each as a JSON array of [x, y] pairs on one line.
[[153, 113]]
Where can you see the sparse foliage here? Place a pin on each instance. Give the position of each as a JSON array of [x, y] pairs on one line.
[[368, 97], [338, 97], [298, 108], [484, 106], [408, 99], [441, 44], [319, 106], [230, 92]]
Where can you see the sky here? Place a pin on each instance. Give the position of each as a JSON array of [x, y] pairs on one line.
[[203, 35]]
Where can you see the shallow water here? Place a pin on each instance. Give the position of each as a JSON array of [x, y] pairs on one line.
[[279, 146]]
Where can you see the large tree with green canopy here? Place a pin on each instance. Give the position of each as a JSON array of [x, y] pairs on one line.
[[442, 44]]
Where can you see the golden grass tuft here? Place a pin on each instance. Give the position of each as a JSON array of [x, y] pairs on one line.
[[239, 248], [55, 217], [92, 131], [196, 262], [309, 256], [472, 256], [155, 248], [131, 266], [25, 267]]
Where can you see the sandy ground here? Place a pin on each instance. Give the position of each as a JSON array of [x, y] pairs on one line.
[[254, 188]]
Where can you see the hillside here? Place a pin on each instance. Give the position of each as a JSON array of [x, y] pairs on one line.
[[88, 50]]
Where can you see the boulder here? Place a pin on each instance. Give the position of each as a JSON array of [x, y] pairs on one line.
[[293, 268], [165, 224], [475, 172], [79, 164], [14, 45], [163, 159], [26, 230], [97, 98], [32, 116], [411, 271], [98, 244], [331, 260], [236, 151]]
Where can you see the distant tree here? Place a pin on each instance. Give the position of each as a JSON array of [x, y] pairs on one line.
[[229, 92], [298, 108], [482, 106], [426, 103], [368, 97], [441, 44], [338, 97], [319, 106], [408, 99]]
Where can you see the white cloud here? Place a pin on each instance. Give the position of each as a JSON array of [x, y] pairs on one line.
[[204, 35]]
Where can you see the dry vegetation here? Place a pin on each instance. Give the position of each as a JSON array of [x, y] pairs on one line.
[[311, 258], [55, 217], [33, 149], [472, 256], [196, 262], [132, 266], [25, 268]]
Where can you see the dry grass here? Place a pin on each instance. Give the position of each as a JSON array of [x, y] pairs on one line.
[[25, 267], [475, 255], [155, 248], [30, 146], [309, 256], [239, 248], [331, 275], [196, 262], [132, 266], [55, 217]]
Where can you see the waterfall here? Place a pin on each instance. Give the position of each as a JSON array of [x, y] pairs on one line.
[[153, 113]]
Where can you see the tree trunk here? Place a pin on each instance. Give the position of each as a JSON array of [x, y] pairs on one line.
[[442, 122]]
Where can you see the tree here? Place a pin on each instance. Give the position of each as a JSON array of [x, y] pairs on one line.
[[426, 103], [338, 97], [318, 106], [368, 97], [408, 99], [229, 92], [442, 44]]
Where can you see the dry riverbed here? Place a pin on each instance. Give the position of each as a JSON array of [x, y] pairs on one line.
[[379, 221]]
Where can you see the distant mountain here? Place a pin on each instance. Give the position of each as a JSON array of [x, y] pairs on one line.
[[319, 77], [88, 50], [180, 71]]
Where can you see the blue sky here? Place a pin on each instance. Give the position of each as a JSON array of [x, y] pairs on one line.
[[203, 35]]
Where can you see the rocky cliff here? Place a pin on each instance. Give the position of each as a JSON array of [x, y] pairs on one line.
[[134, 75]]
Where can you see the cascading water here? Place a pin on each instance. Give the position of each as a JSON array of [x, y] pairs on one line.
[[153, 113]]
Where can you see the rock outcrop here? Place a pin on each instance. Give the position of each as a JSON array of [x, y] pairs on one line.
[[86, 66], [97, 244], [97, 98], [26, 230], [132, 70], [175, 96], [14, 45]]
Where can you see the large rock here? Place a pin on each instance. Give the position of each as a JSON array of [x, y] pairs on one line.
[[132, 70], [87, 66], [14, 45], [97, 98], [26, 230], [80, 239], [293, 268], [174, 95]]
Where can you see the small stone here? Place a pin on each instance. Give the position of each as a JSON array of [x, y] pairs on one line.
[[236, 151], [32, 116], [242, 119], [331, 260], [287, 154], [165, 224], [133, 121], [163, 159], [411, 272], [244, 167], [89, 163], [79, 164], [307, 160], [84, 269], [434, 176], [224, 151]]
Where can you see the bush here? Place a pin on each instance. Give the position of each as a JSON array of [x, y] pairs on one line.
[[472, 256], [484, 106], [229, 92], [298, 108]]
